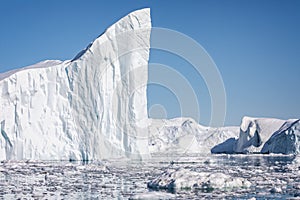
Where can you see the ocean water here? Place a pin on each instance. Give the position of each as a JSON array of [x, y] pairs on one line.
[[273, 177]]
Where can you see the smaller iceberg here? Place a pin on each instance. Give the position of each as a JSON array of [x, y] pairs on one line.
[[285, 140], [263, 135]]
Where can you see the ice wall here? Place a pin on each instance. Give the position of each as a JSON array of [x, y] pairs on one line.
[[91, 107]]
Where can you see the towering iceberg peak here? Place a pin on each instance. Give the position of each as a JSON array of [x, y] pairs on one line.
[[92, 107], [135, 22]]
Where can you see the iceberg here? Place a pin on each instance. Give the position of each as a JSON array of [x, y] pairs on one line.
[[95, 107], [184, 135], [286, 140], [254, 132], [91, 107], [263, 135]]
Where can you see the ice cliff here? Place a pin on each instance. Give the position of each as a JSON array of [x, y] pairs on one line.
[[91, 107]]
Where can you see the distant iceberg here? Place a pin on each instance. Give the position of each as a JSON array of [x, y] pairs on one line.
[[184, 135], [286, 140], [263, 135]]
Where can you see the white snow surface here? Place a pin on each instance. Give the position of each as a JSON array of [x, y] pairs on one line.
[[182, 178], [42, 64], [286, 140], [92, 107], [263, 135], [254, 133], [184, 135], [95, 107]]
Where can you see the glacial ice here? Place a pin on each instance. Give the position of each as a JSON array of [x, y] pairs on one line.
[[263, 135], [184, 135], [255, 135], [95, 106], [181, 178], [91, 107], [286, 140], [254, 132], [153, 195]]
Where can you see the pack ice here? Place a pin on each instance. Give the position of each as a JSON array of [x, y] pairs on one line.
[[91, 107]]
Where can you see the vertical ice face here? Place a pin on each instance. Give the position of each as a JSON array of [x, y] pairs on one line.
[[108, 89], [92, 107]]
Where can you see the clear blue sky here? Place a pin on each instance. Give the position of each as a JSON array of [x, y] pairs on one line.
[[254, 43]]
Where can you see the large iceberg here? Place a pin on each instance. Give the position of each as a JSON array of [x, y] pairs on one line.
[[91, 107]]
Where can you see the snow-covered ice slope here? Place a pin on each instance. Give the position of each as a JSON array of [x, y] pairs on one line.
[[286, 140], [254, 132], [264, 135], [92, 107], [184, 135]]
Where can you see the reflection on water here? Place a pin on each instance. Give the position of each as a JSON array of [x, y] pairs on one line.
[[124, 179]]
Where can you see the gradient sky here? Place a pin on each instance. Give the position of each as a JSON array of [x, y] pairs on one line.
[[254, 43]]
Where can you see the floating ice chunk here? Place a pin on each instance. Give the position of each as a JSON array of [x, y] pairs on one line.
[[276, 190], [153, 196], [181, 178]]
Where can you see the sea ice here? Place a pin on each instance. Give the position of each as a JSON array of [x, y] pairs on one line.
[[182, 178]]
